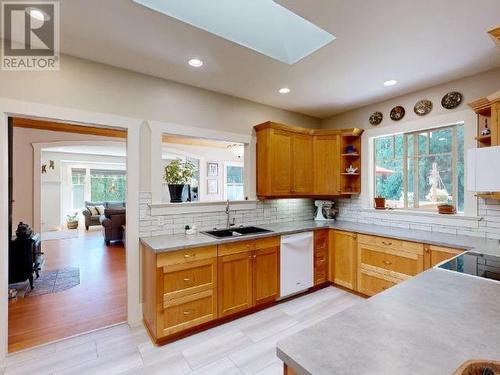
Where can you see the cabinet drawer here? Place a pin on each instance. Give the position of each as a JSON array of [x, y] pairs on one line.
[[189, 278], [371, 283], [401, 264], [251, 245], [186, 312], [321, 240], [186, 256], [392, 243]]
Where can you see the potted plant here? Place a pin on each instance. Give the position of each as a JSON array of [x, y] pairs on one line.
[[379, 203], [72, 221], [446, 208], [177, 175]]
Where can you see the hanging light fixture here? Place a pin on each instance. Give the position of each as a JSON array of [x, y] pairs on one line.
[[237, 149]]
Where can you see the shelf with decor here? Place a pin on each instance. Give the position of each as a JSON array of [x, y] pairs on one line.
[[350, 182], [487, 110]]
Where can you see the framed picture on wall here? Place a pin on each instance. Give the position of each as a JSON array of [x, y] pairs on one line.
[[213, 169], [212, 186]]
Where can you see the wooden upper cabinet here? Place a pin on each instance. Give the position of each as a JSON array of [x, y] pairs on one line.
[[298, 162], [343, 259], [302, 168], [235, 283], [326, 164]]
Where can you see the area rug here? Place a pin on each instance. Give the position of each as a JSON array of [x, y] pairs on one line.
[[60, 234], [50, 282]]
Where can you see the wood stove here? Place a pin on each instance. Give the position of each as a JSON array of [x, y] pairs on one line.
[[25, 255]]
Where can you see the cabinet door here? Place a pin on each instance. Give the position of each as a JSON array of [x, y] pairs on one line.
[[302, 172], [343, 265], [437, 254], [326, 164], [281, 162], [320, 256], [235, 282], [371, 283], [495, 124], [266, 275]]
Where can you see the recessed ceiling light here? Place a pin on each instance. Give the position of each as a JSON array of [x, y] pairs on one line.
[[195, 63], [284, 90], [390, 82]]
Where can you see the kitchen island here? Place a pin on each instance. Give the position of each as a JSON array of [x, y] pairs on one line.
[[428, 325]]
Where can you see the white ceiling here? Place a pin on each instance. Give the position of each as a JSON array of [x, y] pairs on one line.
[[419, 43]]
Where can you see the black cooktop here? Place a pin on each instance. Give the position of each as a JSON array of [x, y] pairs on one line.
[[475, 264]]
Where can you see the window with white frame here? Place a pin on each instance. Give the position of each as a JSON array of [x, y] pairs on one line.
[[233, 181], [420, 170]]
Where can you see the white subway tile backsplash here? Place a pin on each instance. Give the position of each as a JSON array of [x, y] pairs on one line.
[[269, 211], [350, 209]]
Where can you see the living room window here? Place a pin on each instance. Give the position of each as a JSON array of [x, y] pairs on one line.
[[422, 169], [78, 188], [107, 185]]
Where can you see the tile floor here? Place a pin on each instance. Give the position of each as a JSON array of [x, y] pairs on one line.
[[243, 346]]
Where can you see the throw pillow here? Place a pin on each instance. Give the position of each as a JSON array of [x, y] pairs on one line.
[[93, 210], [100, 210]]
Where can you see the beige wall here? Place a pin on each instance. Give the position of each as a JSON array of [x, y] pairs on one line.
[[472, 88], [22, 209], [96, 87]]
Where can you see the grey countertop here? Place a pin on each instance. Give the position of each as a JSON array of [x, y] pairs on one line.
[[428, 325], [166, 243]]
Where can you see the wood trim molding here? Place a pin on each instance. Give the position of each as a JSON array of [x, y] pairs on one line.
[[20, 122], [354, 132]]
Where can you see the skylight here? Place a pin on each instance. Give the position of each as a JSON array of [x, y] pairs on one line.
[[261, 25]]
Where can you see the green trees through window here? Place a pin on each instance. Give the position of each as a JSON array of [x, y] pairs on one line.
[[421, 169], [107, 185]]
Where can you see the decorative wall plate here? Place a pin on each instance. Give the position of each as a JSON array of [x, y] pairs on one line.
[[376, 118], [423, 107], [397, 113], [451, 100]]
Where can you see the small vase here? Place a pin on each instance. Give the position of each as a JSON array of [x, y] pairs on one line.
[[176, 192], [380, 203]]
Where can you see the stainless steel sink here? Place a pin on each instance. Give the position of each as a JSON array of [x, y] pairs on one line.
[[236, 232]]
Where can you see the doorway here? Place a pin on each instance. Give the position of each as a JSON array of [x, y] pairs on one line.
[[82, 283]]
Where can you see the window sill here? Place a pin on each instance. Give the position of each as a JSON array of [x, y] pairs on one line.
[[158, 209], [459, 216]]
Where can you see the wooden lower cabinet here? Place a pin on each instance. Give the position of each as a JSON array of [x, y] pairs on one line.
[[189, 311], [343, 259], [371, 283], [437, 254], [266, 275], [235, 282], [321, 256]]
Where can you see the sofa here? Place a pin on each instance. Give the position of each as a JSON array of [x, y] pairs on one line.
[[92, 219], [112, 223]]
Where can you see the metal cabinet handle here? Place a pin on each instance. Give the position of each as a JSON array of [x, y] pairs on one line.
[[189, 255], [386, 262], [187, 279], [387, 243], [187, 312]]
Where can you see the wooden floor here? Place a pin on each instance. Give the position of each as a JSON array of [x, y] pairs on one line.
[[99, 301], [243, 346]]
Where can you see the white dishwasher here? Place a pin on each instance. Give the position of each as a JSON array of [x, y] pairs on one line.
[[296, 260]]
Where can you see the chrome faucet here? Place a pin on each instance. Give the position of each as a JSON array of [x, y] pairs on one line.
[[228, 214]]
